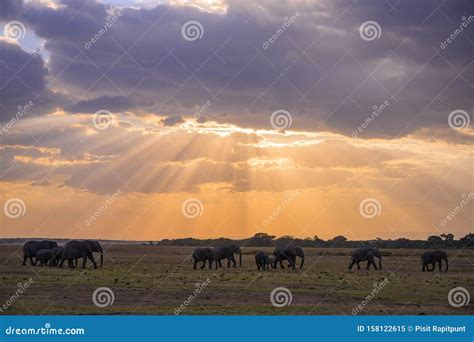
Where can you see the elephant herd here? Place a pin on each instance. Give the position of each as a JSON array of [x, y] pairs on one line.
[[265, 260], [48, 252]]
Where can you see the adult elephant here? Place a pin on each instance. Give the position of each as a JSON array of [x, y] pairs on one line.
[[433, 258], [203, 255], [366, 254], [288, 253], [227, 252], [81, 249], [30, 248]]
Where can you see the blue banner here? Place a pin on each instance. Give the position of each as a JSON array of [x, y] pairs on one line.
[[237, 328]]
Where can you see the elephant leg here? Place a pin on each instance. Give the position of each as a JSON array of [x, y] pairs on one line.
[[24, 260], [424, 267], [358, 266], [33, 263], [220, 263], [375, 265], [281, 264], [195, 263], [203, 264], [91, 258], [440, 264], [233, 260], [351, 264]]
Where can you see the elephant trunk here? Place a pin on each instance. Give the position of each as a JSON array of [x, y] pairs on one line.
[[240, 257], [302, 260], [380, 262]]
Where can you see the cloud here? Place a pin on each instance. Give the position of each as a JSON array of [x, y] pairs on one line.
[[172, 120], [251, 60], [23, 82], [10, 9]]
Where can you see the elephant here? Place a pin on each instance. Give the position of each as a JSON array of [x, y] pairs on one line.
[[366, 254], [227, 252], [203, 254], [57, 254], [433, 258], [263, 260], [30, 248], [288, 253], [81, 249], [44, 256]]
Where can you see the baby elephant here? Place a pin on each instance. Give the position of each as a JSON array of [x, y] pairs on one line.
[[263, 260], [44, 256]]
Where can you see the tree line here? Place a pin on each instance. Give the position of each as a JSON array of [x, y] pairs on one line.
[[266, 240]]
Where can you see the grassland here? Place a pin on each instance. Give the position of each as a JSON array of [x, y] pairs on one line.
[[157, 280]]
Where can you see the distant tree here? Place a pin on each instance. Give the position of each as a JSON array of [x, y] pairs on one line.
[[467, 241], [447, 237], [261, 239], [285, 240], [434, 239], [338, 241]]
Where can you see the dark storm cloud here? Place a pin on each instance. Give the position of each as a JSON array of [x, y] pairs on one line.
[[10, 8], [23, 88], [306, 58], [112, 103]]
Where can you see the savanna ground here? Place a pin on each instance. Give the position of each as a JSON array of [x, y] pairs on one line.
[[157, 280]]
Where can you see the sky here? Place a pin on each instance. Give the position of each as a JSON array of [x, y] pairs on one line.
[[147, 120]]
